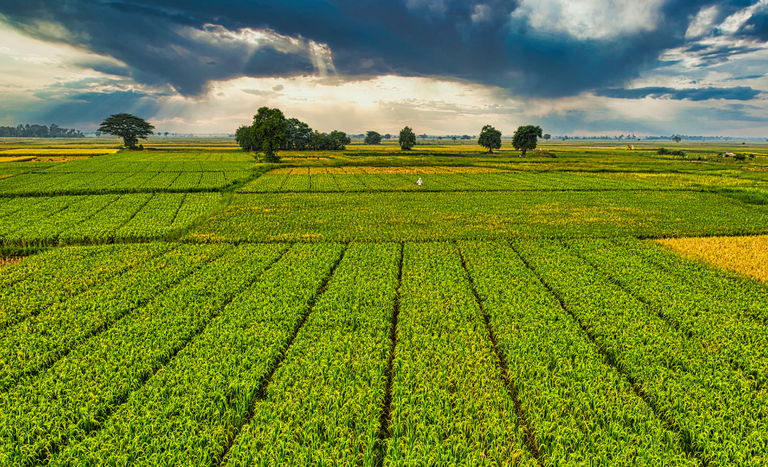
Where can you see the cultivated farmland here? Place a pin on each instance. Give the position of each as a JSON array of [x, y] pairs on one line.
[[189, 305]]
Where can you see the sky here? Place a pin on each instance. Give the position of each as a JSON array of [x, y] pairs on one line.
[[442, 67]]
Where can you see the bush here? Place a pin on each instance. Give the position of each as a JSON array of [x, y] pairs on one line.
[[667, 152]]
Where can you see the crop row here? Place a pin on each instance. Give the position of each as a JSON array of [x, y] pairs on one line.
[[79, 391], [116, 182], [746, 296], [451, 215], [326, 398], [723, 326], [323, 400], [580, 410], [450, 405], [691, 386], [48, 281], [99, 218], [372, 179]]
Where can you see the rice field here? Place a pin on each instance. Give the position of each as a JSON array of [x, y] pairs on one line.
[[191, 306]]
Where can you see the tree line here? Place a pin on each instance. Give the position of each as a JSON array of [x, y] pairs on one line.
[[39, 131], [271, 132]]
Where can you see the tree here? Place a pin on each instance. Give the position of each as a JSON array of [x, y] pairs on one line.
[[166, 134], [454, 139], [407, 139], [318, 141], [268, 131], [372, 138], [338, 140], [387, 136], [490, 138], [677, 139], [547, 136], [127, 126], [525, 137], [297, 134], [243, 138]]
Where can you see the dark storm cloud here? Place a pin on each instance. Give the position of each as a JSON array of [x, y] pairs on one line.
[[756, 27], [739, 93], [474, 40], [88, 107]]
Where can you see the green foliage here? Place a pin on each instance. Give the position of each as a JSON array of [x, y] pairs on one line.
[[372, 137], [297, 135], [421, 216], [268, 131], [667, 152], [335, 141], [127, 126], [243, 138], [547, 136], [526, 138], [338, 140], [490, 138], [407, 139], [102, 218]]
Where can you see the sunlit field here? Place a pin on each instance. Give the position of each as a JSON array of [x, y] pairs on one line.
[[587, 304]]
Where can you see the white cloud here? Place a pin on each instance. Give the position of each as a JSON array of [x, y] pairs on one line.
[[734, 22], [590, 19], [702, 24]]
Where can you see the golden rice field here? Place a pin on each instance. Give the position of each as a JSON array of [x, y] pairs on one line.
[[744, 255], [58, 152]]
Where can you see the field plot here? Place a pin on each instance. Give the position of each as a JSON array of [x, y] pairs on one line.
[[374, 179], [436, 216], [99, 218]]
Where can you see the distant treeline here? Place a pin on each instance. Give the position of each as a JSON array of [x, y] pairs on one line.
[[39, 131]]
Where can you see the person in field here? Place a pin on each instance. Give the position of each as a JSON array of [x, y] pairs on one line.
[[419, 182]]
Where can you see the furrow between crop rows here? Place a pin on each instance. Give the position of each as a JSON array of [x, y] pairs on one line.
[[385, 418], [449, 402], [509, 383]]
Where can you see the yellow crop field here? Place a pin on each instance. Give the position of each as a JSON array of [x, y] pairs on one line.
[[58, 152], [744, 255], [16, 159]]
